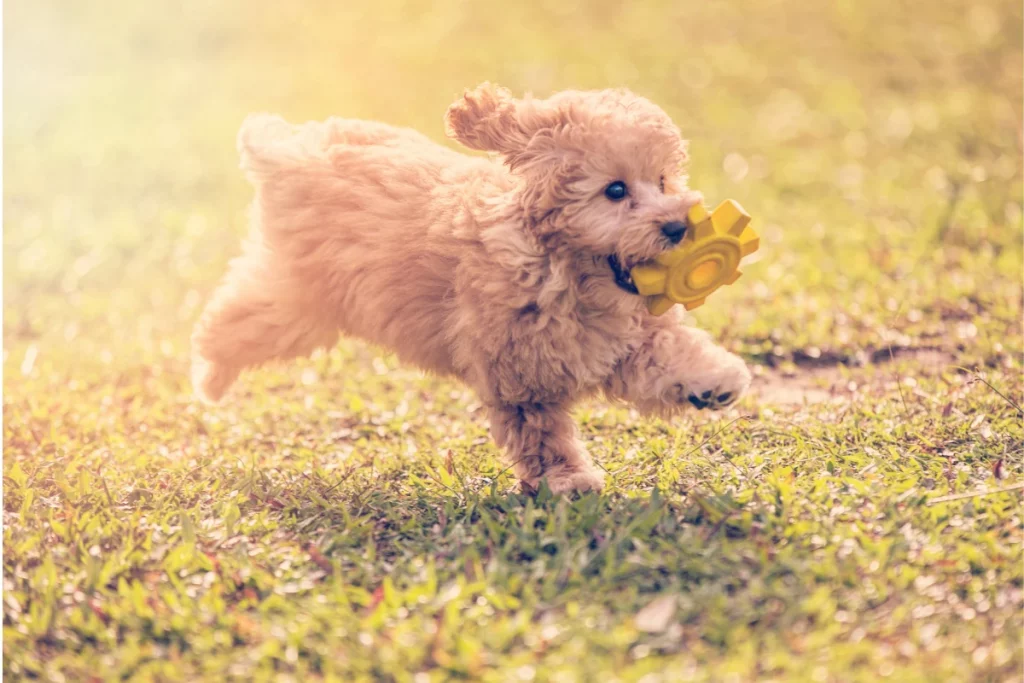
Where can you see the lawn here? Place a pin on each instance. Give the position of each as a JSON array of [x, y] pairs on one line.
[[857, 516]]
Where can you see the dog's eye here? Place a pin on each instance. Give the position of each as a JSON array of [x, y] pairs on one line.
[[661, 184], [616, 191]]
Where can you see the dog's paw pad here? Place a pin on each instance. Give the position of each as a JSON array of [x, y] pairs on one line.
[[722, 388], [704, 399]]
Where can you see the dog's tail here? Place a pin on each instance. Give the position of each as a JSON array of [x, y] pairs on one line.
[[267, 143]]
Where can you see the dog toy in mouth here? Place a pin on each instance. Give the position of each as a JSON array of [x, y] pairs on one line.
[[707, 258]]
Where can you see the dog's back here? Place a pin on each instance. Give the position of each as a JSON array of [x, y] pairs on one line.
[[357, 227]]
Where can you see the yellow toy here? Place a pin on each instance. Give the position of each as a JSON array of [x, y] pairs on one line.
[[706, 259]]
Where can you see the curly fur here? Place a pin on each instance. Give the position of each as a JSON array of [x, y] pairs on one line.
[[491, 270]]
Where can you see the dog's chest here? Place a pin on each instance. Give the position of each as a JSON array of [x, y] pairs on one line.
[[602, 345], [563, 358]]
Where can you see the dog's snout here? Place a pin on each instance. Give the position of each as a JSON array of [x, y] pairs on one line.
[[674, 230]]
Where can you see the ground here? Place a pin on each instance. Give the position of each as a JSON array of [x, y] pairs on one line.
[[857, 516]]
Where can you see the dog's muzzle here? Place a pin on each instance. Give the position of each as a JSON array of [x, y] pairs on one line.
[[622, 277]]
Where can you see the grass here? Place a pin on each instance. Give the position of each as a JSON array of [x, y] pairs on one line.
[[347, 518]]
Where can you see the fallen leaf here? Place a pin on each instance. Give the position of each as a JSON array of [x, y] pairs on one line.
[[997, 469], [213, 560], [375, 598], [656, 616], [319, 559], [98, 610]]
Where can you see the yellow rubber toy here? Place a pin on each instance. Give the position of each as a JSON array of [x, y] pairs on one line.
[[707, 258]]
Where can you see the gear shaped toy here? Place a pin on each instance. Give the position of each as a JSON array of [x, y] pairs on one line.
[[707, 258]]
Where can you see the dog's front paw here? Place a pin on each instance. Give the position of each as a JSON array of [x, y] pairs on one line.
[[717, 387], [564, 481]]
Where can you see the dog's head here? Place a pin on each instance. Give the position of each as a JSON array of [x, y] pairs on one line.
[[601, 174]]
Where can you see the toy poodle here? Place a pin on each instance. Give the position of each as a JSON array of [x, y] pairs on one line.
[[509, 272]]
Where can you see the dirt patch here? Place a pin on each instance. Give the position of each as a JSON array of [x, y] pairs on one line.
[[823, 382], [858, 358]]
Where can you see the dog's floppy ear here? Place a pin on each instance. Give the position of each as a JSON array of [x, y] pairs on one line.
[[488, 118]]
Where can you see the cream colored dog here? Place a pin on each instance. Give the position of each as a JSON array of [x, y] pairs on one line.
[[510, 274]]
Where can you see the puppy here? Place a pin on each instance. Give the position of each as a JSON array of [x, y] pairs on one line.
[[510, 272]]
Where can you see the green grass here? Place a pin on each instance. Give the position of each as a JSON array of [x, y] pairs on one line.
[[346, 517]]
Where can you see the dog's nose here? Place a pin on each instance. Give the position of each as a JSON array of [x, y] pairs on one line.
[[674, 231]]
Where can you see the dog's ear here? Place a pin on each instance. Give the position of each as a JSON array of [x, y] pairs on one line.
[[488, 118]]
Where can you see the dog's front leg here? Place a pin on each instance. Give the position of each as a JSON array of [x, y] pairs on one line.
[[675, 366], [540, 443]]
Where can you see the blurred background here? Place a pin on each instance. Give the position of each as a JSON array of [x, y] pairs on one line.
[[877, 143]]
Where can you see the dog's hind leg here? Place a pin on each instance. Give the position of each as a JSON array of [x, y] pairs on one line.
[[256, 315]]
